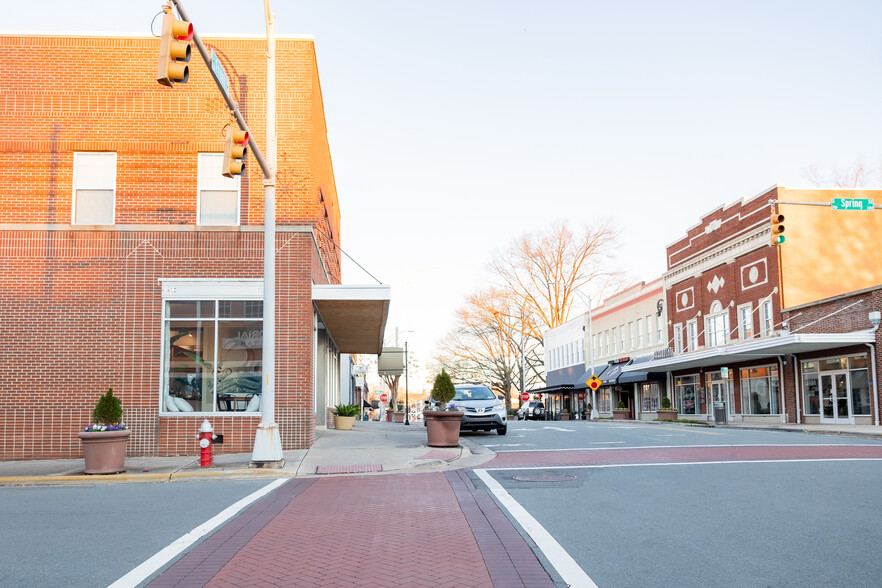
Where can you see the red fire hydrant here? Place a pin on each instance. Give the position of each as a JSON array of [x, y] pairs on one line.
[[206, 436]]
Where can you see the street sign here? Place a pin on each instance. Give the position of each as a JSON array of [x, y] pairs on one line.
[[525, 397], [593, 382], [219, 72], [384, 397], [851, 204]]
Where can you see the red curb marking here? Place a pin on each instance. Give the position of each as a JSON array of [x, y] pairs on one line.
[[348, 469], [683, 454]]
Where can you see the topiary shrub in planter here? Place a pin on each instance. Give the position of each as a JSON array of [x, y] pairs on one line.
[[442, 425], [620, 413], [666, 412], [104, 441]]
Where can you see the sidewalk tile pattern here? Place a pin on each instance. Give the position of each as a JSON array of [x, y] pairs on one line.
[[314, 540], [348, 469], [510, 561], [683, 454], [199, 565]]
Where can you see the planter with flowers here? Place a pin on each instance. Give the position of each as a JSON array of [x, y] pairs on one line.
[[666, 412], [442, 424], [621, 412], [104, 441]]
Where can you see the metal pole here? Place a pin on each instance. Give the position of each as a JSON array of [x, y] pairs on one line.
[[267, 441], [406, 397], [594, 413], [234, 108]]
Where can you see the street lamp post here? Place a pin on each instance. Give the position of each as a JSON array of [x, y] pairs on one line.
[[406, 397], [594, 413]]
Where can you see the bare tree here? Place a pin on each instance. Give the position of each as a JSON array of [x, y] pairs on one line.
[[543, 272], [858, 175], [501, 327]]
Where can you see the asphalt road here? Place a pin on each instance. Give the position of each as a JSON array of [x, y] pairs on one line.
[[782, 523], [93, 535]]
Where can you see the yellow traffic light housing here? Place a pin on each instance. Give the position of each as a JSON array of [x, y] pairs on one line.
[[235, 151], [174, 50], [777, 223]]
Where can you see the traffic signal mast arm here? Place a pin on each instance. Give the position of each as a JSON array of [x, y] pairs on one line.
[[234, 108]]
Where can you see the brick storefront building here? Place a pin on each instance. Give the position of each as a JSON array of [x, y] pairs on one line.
[[128, 261], [764, 333]]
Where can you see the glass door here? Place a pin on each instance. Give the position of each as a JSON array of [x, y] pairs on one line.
[[834, 398]]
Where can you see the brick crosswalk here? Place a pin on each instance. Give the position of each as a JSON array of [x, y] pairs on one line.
[[414, 530]]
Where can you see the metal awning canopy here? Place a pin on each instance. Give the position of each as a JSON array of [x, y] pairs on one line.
[[355, 316], [794, 343]]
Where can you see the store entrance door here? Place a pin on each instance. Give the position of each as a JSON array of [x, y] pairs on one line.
[[720, 393], [835, 405]]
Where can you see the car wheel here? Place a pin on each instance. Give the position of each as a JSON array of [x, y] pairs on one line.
[[502, 430]]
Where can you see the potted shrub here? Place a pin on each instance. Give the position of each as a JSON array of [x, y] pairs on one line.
[[345, 415], [442, 424], [104, 441], [399, 413], [666, 412], [565, 415], [621, 413]]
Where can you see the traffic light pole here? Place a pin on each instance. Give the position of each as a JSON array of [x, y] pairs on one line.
[[267, 450]]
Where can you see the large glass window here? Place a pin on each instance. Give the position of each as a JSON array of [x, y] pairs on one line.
[[213, 355], [692, 335], [603, 400], [759, 390], [678, 338], [651, 397], [686, 393], [745, 322], [767, 323], [94, 185], [860, 385]]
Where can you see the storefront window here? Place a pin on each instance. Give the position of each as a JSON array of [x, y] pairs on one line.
[[759, 390], [603, 403], [812, 393], [685, 389], [213, 356], [650, 395], [860, 392]]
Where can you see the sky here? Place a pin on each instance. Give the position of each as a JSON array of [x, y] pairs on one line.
[[455, 127]]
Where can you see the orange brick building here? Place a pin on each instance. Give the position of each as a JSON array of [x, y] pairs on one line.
[[128, 261]]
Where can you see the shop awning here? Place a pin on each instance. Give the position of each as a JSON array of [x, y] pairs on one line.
[[754, 349], [552, 389], [355, 316], [636, 376], [598, 370], [611, 374]]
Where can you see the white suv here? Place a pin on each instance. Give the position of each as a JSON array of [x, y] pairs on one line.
[[483, 410]]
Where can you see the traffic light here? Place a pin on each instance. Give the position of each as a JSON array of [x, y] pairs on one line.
[[777, 228], [174, 50], [235, 152]]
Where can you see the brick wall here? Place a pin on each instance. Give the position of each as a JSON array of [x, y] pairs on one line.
[[81, 306]]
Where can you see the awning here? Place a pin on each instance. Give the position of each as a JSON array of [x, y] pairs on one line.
[[355, 316], [642, 376], [611, 374], [598, 370], [552, 389], [754, 349]]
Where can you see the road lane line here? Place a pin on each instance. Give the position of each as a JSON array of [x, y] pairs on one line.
[[168, 553], [566, 566], [674, 463], [689, 446]]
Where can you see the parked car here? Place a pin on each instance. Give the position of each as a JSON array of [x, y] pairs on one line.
[[483, 410], [532, 410]]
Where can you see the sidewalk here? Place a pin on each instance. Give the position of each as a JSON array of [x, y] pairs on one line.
[[368, 447]]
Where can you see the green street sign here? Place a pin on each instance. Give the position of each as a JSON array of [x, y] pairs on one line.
[[852, 204]]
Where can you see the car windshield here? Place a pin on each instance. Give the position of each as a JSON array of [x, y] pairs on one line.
[[473, 393]]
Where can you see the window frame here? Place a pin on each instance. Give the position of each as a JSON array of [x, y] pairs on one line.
[[200, 188], [76, 185], [745, 327]]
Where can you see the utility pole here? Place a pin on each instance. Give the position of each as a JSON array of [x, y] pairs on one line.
[[267, 450]]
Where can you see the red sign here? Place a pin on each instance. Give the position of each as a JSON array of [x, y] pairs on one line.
[[525, 397], [384, 397]]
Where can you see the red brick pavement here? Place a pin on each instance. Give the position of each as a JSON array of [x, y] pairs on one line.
[[414, 530], [682, 454]]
